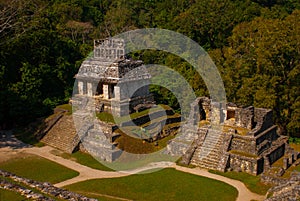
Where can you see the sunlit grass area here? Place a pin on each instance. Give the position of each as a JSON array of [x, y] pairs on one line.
[[37, 168], [10, 195], [252, 182], [82, 158], [167, 184]]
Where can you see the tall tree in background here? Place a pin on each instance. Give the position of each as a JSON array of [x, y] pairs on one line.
[[261, 66]]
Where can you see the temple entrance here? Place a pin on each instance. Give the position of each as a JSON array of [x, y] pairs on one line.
[[202, 113], [230, 114], [99, 90]]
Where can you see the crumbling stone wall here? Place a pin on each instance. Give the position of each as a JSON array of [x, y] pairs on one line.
[[244, 117], [275, 153], [244, 164], [44, 187], [286, 189], [243, 144], [265, 139], [263, 119]]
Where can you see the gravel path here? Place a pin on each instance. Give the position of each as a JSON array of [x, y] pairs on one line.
[[11, 148]]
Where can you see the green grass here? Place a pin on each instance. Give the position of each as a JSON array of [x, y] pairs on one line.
[[83, 159], [251, 182], [27, 136], [67, 107], [108, 117], [167, 184], [37, 168], [139, 146], [6, 195], [243, 153]]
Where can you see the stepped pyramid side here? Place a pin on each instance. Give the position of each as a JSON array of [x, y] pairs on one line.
[[209, 154], [62, 135]]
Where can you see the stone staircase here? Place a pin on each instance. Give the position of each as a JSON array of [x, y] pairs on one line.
[[62, 135], [209, 154], [186, 158]]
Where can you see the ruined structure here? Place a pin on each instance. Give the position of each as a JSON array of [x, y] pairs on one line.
[[117, 84], [247, 140], [215, 136]]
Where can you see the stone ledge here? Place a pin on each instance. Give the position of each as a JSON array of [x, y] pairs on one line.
[[44, 187]]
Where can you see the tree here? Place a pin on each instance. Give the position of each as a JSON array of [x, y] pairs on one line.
[[262, 62]]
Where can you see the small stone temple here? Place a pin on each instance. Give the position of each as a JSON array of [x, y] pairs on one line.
[[246, 141], [113, 80]]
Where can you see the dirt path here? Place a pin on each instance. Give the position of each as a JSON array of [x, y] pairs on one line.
[[86, 173]]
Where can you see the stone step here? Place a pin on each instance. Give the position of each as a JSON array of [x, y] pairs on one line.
[[62, 135], [208, 155], [213, 156], [206, 164]]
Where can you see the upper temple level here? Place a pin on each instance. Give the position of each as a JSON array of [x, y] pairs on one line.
[[109, 49], [113, 79]]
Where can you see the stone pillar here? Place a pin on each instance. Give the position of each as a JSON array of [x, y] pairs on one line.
[[105, 91], [285, 163], [294, 156], [117, 92], [267, 164], [206, 108], [217, 115], [89, 89], [80, 87], [244, 117], [291, 159]]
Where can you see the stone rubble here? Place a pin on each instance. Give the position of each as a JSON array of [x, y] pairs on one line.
[[44, 187], [287, 190]]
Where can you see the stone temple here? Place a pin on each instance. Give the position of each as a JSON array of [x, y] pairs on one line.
[[215, 136], [246, 140], [113, 80]]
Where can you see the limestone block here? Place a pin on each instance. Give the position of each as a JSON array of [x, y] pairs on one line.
[[80, 87]]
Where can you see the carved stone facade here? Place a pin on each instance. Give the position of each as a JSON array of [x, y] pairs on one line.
[[117, 84]]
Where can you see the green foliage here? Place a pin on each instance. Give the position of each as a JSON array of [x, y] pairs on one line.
[[67, 107], [261, 66], [177, 186], [254, 43], [294, 140]]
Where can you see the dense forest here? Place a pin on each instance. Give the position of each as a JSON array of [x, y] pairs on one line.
[[254, 43]]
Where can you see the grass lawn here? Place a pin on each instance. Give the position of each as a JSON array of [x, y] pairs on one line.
[[83, 159], [67, 107], [252, 182], [37, 168], [167, 184], [108, 117], [139, 146], [27, 136], [10, 195]]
